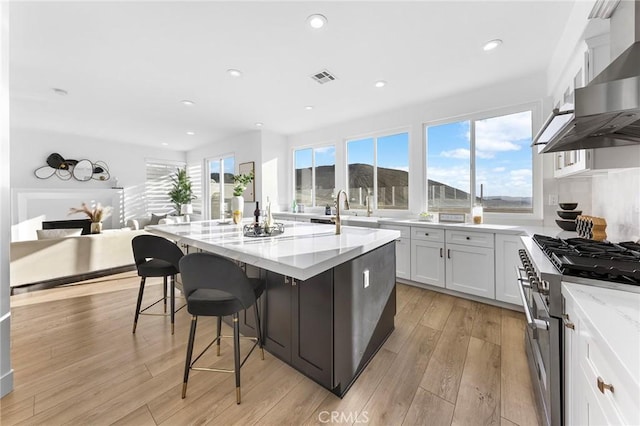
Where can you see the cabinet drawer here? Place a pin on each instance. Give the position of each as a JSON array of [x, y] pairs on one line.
[[427, 234], [470, 238], [405, 231]]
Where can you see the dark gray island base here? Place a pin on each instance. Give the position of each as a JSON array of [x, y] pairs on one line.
[[330, 326]]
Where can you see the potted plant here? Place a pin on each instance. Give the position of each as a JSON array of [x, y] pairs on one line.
[[181, 192], [95, 215], [240, 183]]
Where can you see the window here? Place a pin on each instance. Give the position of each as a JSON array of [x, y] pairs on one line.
[[500, 170], [158, 184], [315, 175], [379, 166], [221, 171], [194, 171]]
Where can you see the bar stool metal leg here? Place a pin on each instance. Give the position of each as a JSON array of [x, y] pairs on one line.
[[139, 303], [258, 329], [173, 301], [218, 331], [187, 366], [164, 289], [236, 353]]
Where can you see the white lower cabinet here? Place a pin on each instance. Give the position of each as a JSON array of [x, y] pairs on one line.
[[507, 260], [470, 269], [403, 251], [427, 262], [598, 388]]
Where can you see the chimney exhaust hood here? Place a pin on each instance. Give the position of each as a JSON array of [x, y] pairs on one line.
[[607, 110]]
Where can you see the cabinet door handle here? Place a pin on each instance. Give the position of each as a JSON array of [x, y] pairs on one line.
[[440, 251], [286, 280], [426, 234], [448, 253], [468, 238], [602, 386], [567, 323], [293, 282]]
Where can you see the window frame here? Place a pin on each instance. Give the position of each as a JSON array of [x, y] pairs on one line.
[[536, 161], [375, 136], [313, 149], [206, 207]]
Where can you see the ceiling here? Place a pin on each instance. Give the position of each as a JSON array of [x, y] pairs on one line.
[[127, 66]]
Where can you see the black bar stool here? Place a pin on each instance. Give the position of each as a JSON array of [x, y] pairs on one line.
[[156, 257], [216, 286]]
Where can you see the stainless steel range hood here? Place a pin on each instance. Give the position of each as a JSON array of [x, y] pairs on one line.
[[607, 110]]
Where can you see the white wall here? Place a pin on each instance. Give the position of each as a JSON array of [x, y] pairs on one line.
[[616, 197], [275, 169], [6, 372], [31, 147], [523, 90]]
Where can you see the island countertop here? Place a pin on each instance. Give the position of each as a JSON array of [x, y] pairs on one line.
[[302, 251]]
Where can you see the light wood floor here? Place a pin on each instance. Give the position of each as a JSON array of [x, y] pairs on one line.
[[449, 361]]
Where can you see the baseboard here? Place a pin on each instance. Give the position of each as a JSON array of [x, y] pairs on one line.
[[41, 285], [6, 383]]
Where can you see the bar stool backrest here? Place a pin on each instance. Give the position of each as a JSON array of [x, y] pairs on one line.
[[155, 247], [209, 271]]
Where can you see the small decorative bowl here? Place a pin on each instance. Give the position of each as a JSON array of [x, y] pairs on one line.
[[568, 206], [569, 214], [567, 225]]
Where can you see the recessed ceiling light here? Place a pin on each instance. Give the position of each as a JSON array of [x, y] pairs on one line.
[[60, 92], [259, 124], [490, 45], [234, 73], [380, 83], [308, 107], [187, 102], [317, 21], [191, 133], [165, 144]]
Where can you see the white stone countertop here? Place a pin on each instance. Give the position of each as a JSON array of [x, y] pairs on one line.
[[302, 251], [615, 316], [552, 231]]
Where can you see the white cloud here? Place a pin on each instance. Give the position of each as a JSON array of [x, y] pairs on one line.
[[459, 153], [498, 134], [498, 169], [484, 154], [324, 149]]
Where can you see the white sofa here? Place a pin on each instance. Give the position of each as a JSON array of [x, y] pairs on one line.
[[45, 263], [141, 222]]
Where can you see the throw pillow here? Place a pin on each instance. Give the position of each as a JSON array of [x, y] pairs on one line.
[[47, 234], [155, 219]]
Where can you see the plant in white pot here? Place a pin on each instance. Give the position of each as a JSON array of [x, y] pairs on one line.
[[95, 214], [181, 193], [240, 183]]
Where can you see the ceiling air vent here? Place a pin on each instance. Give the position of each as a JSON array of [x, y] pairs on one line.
[[323, 77]]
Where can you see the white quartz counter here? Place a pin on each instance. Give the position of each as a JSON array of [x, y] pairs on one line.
[[615, 316], [302, 251]]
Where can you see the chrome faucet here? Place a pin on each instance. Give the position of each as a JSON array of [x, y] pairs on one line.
[[367, 201], [346, 200]]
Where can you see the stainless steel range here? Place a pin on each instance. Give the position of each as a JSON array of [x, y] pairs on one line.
[[546, 263]]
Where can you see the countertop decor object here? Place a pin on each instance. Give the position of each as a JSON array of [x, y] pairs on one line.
[[591, 227], [96, 214], [258, 230], [568, 206], [568, 215], [240, 183]]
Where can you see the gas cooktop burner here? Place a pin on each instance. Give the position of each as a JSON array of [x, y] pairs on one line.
[[593, 259]]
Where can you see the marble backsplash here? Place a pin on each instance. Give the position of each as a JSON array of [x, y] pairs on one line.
[[616, 197]]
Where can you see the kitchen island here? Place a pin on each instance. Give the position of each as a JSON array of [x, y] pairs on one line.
[[330, 300]]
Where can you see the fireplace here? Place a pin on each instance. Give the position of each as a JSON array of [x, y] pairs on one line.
[[84, 224]]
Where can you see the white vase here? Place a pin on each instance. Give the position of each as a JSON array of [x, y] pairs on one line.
[[237, 208], [96, 227]]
